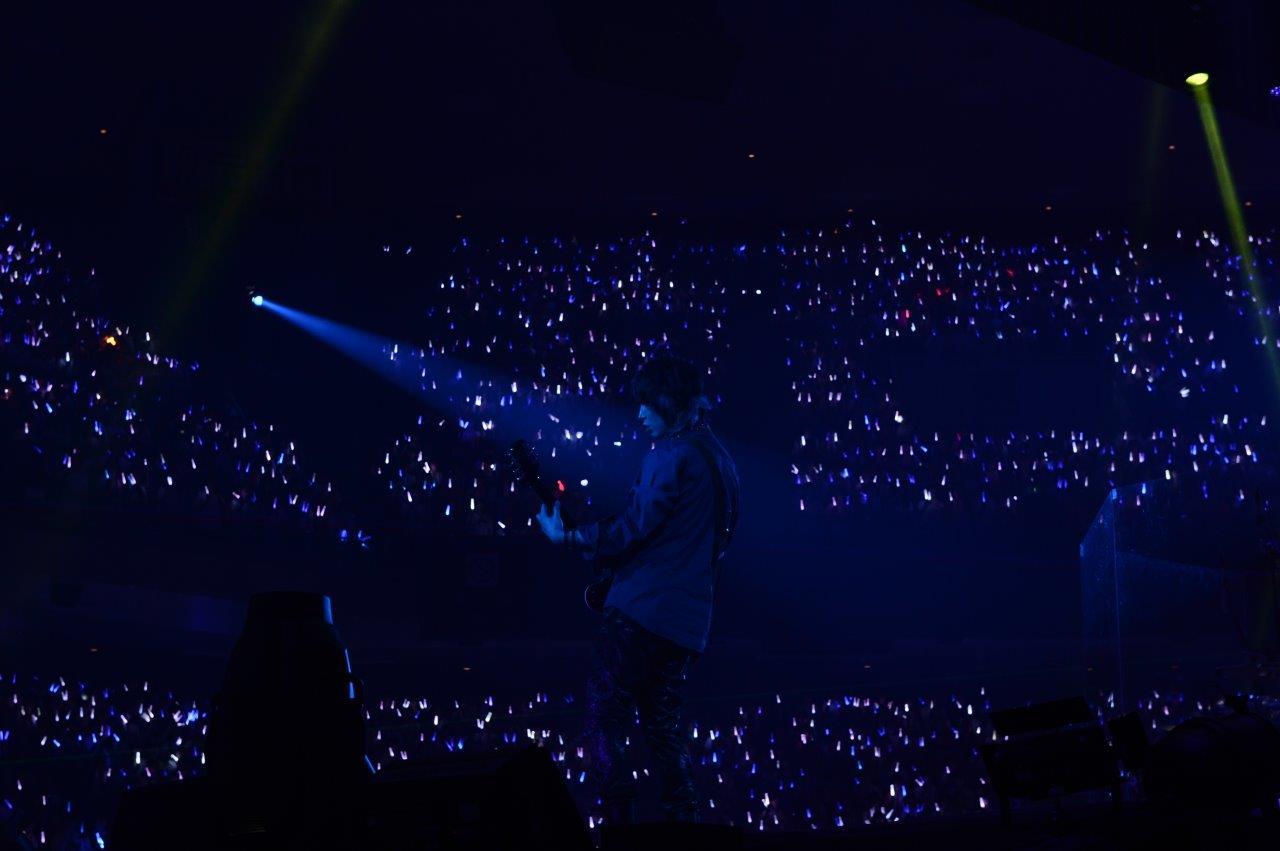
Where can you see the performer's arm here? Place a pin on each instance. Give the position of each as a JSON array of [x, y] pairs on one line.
[[649, 504]]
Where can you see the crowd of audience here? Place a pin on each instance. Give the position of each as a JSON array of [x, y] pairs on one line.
[[552, 328], [862, 445], [848, 300], [564, 325], [93, 415], [69, 749]]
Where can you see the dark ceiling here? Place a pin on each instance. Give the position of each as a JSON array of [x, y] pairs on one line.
[[413, 112], [1237, 42]]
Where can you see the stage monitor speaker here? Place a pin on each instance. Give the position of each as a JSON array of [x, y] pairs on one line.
[[1229, 762], [1051, 763], [670, 837], [1129, 737], [1050, 715], [1047, 751], [166, 815], [461, 803], [488, 801]]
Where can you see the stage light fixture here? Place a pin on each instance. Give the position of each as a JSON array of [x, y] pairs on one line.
[[1197, 79], [256, 300]]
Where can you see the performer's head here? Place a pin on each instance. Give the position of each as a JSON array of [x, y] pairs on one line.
[[669, 390]]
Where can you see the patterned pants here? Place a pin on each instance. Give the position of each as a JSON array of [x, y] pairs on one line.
[[639, 671]]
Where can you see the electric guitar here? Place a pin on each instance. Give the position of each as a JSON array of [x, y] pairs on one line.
[[526, 470]]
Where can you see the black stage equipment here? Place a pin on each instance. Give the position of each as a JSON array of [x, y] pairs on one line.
[[494, 800], [670, 836], [464, 803], [281, 769], [1129, 737], [1052, 749], [275, 775], [1229, 762], [280, 778]]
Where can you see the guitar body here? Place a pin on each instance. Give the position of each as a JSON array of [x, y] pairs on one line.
[[525, 467], [597, 592]]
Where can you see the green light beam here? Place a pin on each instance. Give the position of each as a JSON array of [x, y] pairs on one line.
[[265, 140], [1239, 234]]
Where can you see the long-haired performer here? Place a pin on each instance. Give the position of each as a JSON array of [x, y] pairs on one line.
[[665, 547]]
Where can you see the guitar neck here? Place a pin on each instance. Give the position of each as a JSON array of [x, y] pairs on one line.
[[528, 471], [549, 494]]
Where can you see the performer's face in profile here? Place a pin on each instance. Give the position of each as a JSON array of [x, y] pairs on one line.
[[653, 421]]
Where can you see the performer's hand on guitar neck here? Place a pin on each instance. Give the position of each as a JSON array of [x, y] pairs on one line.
[[552, 524]]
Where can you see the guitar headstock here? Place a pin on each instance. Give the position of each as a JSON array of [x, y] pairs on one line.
[[524, 462], [526, 470]]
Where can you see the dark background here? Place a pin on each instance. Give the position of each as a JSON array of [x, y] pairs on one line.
[[279, 146]]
